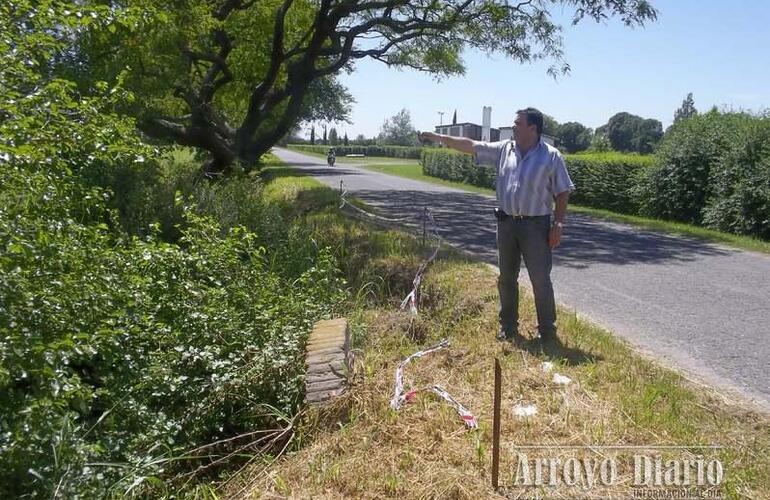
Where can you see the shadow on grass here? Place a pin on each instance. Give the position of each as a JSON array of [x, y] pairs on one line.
[[556, 350], [270, 173], [318, 198], [571, 356]]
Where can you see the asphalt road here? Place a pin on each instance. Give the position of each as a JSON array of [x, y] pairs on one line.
[[700, 307]]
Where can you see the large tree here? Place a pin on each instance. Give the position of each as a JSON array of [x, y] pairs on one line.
[[574, 136], [686, 110], [632, 133], [233, 76], [398, 130], [550, 126], [333, 137]]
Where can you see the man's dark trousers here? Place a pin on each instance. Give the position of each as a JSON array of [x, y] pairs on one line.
[[526, 237]]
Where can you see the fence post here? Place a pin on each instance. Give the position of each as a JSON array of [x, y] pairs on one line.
[[424, 224], [496, 427]]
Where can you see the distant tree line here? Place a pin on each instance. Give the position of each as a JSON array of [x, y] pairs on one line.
[[397, 130], [624, 132]]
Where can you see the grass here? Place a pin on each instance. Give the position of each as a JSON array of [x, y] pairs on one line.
[[414, 171], [679, 228], [358, 447]]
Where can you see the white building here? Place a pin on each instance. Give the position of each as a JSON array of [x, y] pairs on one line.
[[484, 132]]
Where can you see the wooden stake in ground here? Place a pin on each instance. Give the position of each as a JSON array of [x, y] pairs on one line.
[[424, 224], [496, 427]]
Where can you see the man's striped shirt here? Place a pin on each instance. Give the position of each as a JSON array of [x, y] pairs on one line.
[[525, 185]]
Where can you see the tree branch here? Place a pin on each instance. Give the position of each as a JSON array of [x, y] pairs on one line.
[[276, 59], [199, 137], [212, 82]]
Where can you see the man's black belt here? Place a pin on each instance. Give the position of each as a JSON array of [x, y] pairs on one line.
[[501, 216]]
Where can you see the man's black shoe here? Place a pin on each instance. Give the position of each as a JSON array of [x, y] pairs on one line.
[[550, 344], [510, 336]]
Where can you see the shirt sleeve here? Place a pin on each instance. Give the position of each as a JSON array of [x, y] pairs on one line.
[[487, 153], [560, 181]]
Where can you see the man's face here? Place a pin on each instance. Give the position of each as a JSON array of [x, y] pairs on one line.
[[523, 131]]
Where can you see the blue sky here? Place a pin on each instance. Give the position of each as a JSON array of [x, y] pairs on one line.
[[718, 50]]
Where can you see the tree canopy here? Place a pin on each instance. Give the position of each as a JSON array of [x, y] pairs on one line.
[[686, 110], [233, 76], [574, 136], [632, 133], [398, 130]]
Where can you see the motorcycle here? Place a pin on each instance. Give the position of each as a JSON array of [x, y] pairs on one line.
[[330, 159]]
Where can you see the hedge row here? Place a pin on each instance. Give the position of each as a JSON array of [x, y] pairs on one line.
[[458, 167], [713, 169], [605, 180], [608, 180], [387, 151]]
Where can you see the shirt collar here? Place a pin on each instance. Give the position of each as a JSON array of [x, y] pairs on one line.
[[517, 151]]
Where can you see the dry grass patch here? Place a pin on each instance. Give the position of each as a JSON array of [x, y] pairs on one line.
[[423, 450], [359, 448]]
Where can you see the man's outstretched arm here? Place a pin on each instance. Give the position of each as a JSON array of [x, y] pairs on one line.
[[461, 144]]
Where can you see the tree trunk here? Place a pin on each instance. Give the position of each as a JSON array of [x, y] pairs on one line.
[[246, 144], [257, 142], [221, 149], [217, 166]]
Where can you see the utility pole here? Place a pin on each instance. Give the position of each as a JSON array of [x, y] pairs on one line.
[[440, 117]]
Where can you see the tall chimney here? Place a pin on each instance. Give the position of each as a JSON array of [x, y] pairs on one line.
[[486, 123]]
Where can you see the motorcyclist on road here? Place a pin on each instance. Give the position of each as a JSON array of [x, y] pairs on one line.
[[331, 157]]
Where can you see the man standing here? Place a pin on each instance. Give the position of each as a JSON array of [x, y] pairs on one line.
[[531, 178]]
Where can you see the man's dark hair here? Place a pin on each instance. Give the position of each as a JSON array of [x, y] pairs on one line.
[[534, 117]]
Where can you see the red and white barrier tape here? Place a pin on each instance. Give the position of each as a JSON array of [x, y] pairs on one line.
[[411, 298], [400, 397], [467, 417], [344, 202]]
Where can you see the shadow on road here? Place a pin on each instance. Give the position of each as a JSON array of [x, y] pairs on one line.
[[467, 220], [313, 170]]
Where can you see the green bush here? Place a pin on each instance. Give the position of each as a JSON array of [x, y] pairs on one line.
[[123, 349], [607, 180], [458, 167], [604, 180], [739, 200], [144, 194], [373, 150], [678, 185], [128, 352], [712, 170], [122, 353]]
